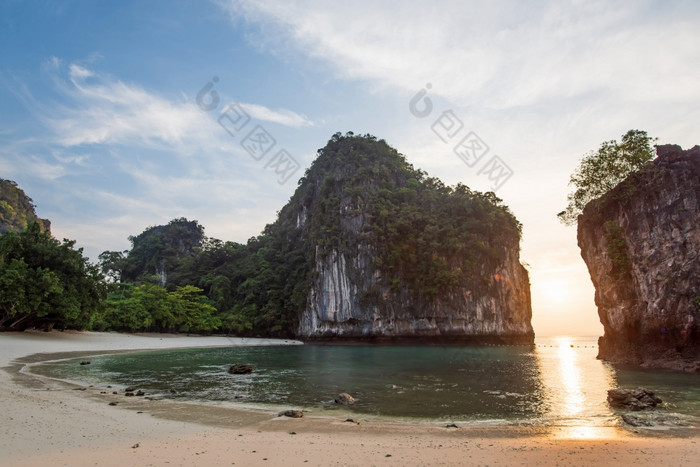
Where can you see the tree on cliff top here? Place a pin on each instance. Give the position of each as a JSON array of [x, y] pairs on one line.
[[600, 171]]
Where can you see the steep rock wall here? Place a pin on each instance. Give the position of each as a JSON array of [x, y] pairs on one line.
[[337, 307], [641, 243], [347, 300]]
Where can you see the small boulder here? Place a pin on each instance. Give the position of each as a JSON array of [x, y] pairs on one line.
[[130, 389], [85, 362], [344, 399], [140, 393], [633, 399], [241, 369], [129, 394], [291, 414]]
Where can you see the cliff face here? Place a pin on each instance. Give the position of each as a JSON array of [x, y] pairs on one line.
[[336, 307], [641, 243], [399, 256]]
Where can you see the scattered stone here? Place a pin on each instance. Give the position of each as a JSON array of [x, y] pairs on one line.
[[135, 446], [633, 399], [85, 362], [140, 393], [451, 425], [130, 389], [241, 369], [344, 399], [79, 389], [292, 432], [113, 403], [115, 392], [128, 394], [291, 414], [173, 391]]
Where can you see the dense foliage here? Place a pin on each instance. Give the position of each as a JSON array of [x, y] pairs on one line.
[[426, 238], [46, 283], [600, 171], [152, 308]]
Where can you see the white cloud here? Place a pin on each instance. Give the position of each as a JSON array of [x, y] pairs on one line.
[[498, 54], [104, 110], [282, 116], [78, 73]]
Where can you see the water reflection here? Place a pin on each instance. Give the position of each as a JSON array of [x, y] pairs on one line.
[[559, 383], [577, 406]]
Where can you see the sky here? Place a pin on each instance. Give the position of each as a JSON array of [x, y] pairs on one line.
[[116, 116]]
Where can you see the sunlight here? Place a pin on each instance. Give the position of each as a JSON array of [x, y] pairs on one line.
[[570, 397], [570, 377], [588, 432], [555, 290]]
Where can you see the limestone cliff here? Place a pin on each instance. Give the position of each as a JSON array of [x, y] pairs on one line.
[[397, 255], [641, 243]]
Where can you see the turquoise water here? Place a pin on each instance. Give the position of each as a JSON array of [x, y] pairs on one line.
[[558, 381]]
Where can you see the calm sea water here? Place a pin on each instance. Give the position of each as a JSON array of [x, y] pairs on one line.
[[558, 381]]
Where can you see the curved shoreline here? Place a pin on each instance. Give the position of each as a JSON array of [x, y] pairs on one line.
[[49, 421]]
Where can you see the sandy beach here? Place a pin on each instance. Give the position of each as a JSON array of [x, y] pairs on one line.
[[52, 422]]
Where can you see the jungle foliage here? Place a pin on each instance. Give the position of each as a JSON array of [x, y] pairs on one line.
[[425, 239]]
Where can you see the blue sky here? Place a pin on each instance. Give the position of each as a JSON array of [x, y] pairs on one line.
[[101, 125]]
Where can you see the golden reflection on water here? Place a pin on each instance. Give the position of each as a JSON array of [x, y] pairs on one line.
[[576, 384]]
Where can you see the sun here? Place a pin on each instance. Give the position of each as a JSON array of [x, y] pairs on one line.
[[556, 293], [554, 290]]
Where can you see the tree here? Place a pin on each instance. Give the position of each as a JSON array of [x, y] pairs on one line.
[[47, 283], [600, 171]]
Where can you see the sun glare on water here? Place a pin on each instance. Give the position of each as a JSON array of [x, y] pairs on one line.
[[572, 396]]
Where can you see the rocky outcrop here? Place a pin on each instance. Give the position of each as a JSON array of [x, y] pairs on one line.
[[364, 283], [17, 210], [633, 399], [641, 243]]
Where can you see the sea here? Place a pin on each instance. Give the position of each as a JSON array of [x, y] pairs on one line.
[[556, 382]]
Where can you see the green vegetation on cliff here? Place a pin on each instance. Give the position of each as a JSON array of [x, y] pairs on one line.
[[16, 209], [426, 238], [602, 170]]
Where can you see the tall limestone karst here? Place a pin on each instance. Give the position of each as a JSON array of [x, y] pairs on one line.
[[641, 243], [390, 253]]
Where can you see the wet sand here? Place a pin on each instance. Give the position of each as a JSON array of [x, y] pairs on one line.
[[52, 422]]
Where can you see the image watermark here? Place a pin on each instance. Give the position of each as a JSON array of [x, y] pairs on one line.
[[466, 144], [257, 142]]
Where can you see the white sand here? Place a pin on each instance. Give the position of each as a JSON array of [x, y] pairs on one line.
[[49, 423]]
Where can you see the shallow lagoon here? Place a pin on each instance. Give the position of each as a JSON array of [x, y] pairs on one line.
[[557, 382]]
